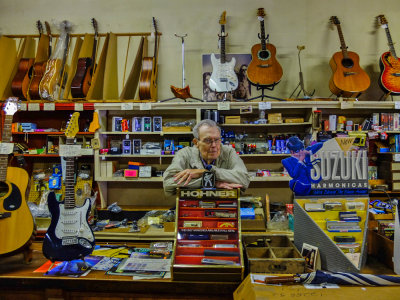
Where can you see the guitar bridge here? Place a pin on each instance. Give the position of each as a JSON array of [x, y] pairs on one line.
[[5, 215], [264, 66], [69, 240], [349, 73], [395, 74]]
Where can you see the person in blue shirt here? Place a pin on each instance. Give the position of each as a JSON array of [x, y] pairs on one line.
[[299, 165]]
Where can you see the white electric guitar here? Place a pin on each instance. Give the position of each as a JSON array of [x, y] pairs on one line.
[[223, 77]]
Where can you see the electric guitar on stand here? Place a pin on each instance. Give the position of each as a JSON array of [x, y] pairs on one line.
[[83, 77], [148, 75], [348, 79], [389, 63], [264, 69], [16, 221], [69, 235], [223, 77]]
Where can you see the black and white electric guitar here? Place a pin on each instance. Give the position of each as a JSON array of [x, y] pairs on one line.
[[223, 77], [69, 235]]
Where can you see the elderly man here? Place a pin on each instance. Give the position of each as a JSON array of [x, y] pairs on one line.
[[207, 154]]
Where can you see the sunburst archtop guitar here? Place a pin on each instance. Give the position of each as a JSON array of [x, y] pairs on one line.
[[264, 69], [389, 63], [16, 221], [348, 78], [223, 77]]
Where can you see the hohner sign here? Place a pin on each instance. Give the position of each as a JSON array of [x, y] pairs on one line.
[[185, 194]]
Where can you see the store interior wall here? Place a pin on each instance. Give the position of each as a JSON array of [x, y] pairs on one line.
[[289, 23]]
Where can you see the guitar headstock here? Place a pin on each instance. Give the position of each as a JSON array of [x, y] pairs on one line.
[[222, 19], [11, 106], [335, 20], [48, 30], [260, 14], [73, 126], [39, 27], [384, 22], [94, 24]]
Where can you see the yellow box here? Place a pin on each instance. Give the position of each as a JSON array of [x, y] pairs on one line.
[[177, 129], [275, 118], [294, 120], [232, 120]]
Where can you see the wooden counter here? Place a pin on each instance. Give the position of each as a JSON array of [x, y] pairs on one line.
[[17, 280]]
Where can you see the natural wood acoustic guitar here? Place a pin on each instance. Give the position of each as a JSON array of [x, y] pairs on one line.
[[264, 69], [16, 221], [84, 71], [39, 68], [389, 63], [148, 75], [348, 78]]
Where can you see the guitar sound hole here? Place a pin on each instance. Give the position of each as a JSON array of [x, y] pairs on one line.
[[264, 54], [3, 188], [347, 63]]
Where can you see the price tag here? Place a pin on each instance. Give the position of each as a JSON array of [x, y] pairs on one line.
[[127, 106], [34, 107], [49, 106], [70, 150], [78, 106], [264, 105], [397, 157], [225, 105], [6, 148], [397, 104], [23, 106], [346, 104], [145, 106]]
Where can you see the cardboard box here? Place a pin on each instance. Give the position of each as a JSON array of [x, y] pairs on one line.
[[232, 119], [294, 120], [275, 118], [177, 129]]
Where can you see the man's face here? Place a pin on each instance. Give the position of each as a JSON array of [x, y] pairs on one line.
[[209, 143]]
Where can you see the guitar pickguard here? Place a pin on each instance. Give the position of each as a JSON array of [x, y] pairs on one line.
[[13, 199], [223, 78]]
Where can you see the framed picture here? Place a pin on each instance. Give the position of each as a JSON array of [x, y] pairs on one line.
[[243, 90], [310, 253]]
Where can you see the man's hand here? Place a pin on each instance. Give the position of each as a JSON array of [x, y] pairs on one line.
[[187, 175], [227, 185]]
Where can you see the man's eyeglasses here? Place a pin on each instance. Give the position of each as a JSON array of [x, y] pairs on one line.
[[210, 141]]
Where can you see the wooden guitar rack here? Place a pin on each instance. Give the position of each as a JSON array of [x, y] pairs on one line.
[[110, 63]]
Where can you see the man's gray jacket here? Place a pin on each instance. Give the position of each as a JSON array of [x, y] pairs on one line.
[[228, 167]]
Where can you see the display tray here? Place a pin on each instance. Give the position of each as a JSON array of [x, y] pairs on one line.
[[272, 254], [207, 245]]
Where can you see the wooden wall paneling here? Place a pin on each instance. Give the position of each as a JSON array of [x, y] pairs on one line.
[[110, 87], [8, 60], [96, 89], [131, 84]]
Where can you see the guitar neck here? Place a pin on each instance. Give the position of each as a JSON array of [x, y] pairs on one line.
[[391, 46], [223, 57], [94, 49], [262, 30], [6, 138], [342, 43], [69, 199]]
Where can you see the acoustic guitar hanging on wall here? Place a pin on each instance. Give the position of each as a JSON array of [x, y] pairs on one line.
[[348, 78], [148, 75], [264, 69]]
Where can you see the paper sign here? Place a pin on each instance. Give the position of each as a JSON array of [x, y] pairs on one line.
[[397, 104], [34, 107], [49, 106], [264, 105], [397, 157], [127, 106], [23, 106], [346, 104], [70, 150], [145, 106], [224, 105], [78, 106], [6, 148]]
